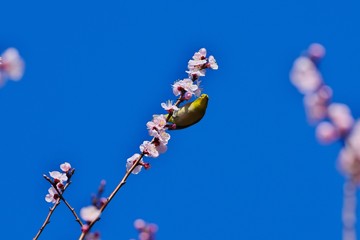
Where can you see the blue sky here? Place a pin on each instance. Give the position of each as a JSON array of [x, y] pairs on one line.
[[95, 74]]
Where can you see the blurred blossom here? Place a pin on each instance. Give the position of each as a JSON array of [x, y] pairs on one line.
[[326, 133], [144, 236], [325, 93], [340, 115], [52, 196], [11, 65], [316, 103], [315, 108], [349, 163], [130, 162], [305, 76], [65, 166], [353, 141], [89, 213], [146, 230], [316, 51], [92, 236], [139, 224]]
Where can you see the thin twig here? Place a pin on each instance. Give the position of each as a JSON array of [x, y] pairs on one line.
[[52, 209], [47, 220], [64, 200]]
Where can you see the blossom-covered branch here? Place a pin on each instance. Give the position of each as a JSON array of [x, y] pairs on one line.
[[177, 117], [334, 122], [185, 89]]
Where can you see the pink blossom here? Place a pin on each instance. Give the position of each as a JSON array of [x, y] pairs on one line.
[[149, 149], [199, 58], [185, 85], [305, 76], [326, 133], [65, 166], [196, 71], [163, 137], [158, 123], [130, 162], [168, 106], [52, 196], [157, 126], [89, 213], [60, 177], [11, 64], [212, 63], [161, 148], [188, 95], [201, 54]]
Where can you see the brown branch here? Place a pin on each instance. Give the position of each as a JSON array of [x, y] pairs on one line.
[[47, 220], [52, 209], [112, 195], [64, 200]]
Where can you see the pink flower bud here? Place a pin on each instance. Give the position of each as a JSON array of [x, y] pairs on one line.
[[187, 95], [85, 228], [146, 165], [103, 201]]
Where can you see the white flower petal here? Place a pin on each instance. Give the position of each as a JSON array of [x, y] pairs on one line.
[[90, 213]]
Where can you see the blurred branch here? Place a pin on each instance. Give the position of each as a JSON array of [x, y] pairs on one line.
[[349, 210]]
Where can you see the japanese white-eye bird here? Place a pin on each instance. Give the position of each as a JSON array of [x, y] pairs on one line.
[[190, 113]]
